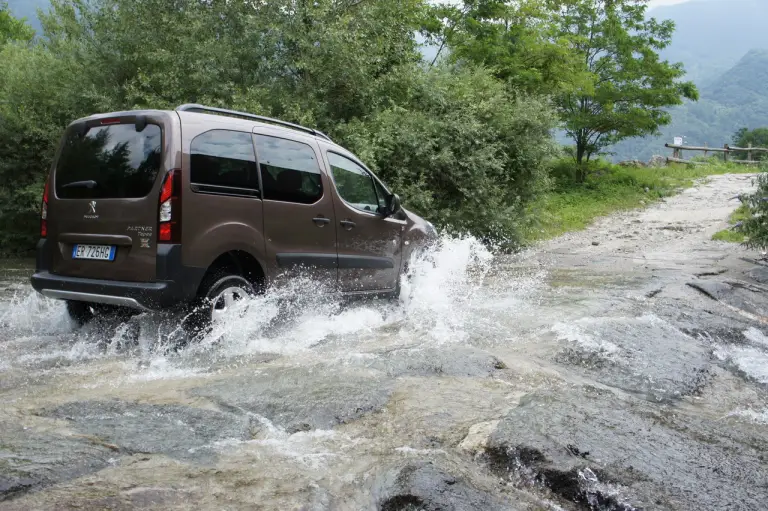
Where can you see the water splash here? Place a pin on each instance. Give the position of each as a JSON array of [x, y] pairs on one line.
[[585, 342], [753, 362], [435, 300], [30, 313], [435, 306], [751, 416]]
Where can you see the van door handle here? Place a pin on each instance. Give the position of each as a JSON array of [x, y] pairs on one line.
[[348, 224], [321, 221]]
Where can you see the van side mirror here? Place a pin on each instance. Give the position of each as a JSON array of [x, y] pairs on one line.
[[393, 205]]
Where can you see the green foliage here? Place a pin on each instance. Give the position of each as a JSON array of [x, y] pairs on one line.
[[631, 84], [456, 143], [734, 234], [12, 29], [27, 9], [729, 236], [751, 138], [755, 226], [35, 101], [598, 58], [462, 149], [519, 41]]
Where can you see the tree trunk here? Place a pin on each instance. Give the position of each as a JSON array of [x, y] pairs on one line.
[[581, 153]]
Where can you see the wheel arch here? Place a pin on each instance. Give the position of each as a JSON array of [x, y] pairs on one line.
[[240, 262]]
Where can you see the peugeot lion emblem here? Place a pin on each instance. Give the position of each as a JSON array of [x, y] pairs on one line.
[[92, 206]]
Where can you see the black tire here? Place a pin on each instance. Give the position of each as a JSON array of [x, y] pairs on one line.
[[213, 297], [80, 312], [83, 313]]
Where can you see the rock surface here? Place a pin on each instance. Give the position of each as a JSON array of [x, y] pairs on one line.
[[583, 443]]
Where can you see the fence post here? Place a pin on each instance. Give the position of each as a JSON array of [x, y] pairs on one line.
[[705, 149], [725, 154], [749, 153]]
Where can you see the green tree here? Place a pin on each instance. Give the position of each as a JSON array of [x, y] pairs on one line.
[[12, 29], [598, 59], [631, 86], [19, 197], [517, 40], [754, 138]]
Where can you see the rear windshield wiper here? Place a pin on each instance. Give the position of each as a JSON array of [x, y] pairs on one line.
[[90, 184]]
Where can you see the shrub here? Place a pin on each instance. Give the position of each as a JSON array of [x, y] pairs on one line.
[[462, 150]]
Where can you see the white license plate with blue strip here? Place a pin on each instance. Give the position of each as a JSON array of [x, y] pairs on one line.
[[95, 252]]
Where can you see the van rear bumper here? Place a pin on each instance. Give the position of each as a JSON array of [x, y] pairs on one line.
[[137, 295], [176, 284]]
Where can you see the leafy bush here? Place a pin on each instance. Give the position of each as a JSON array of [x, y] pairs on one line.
[[755, 226], [461, 150]]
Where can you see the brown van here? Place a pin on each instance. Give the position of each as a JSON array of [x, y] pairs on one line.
[[202, 206]]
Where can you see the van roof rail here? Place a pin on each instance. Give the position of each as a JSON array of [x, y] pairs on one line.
[[190, 107]]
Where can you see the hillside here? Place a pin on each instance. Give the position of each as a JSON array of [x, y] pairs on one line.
[[712, 35], [738, 98]]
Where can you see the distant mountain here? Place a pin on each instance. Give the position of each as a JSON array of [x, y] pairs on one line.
[[722, 44], [736, 99], [28, 9], [712, 35]]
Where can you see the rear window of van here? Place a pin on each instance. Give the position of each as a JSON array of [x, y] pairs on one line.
[[114, 161]]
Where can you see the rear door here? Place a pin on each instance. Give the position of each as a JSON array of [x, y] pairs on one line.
[[299, 217], [370, 245], [103, 209]]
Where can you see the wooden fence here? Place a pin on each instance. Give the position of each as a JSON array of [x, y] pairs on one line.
[[726, 150]]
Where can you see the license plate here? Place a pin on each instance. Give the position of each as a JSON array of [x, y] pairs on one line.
[[97, 252]]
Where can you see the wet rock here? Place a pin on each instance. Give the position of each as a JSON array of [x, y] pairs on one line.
[[424, 486], [303, 398], [599, 451], [759, 274], [462, 361], [477, 438], [711, 273], [741, 296], [30, 460], [654, 292], [176, 431], [646, 355]]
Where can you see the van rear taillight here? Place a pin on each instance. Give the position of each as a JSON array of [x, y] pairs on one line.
[[44, 212], [169, 217]]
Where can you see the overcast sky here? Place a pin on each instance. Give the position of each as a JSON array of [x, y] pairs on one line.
[[657, 3]]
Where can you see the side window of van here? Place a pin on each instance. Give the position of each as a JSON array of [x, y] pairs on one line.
[[289, 170], [355, 185], [223, 161]]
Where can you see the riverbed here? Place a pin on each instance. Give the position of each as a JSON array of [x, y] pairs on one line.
[[621, 367]]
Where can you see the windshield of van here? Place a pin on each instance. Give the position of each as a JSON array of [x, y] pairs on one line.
[[112, 161]]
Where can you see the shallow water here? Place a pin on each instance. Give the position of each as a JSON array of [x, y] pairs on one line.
[[572, 376]]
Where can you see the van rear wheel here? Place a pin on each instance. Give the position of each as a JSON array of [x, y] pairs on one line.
[[218, 294], [80, 312], [83, 313]]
